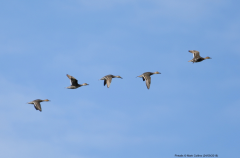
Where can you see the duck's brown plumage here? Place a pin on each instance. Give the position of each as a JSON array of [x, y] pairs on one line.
[[74, 83], [146, 76], [108, 79], [37, 104], [196, 56]]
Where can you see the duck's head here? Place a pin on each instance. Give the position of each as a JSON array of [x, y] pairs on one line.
[[46, 100], [118, 77], [207, 58], [84, 84], [157, 72]]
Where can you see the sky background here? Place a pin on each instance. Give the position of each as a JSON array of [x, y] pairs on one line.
[[189, 108]]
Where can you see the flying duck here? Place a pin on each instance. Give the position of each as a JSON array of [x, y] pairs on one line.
[[108, 79], [74, 83], [37, 104], [146, 76], [197, 57]]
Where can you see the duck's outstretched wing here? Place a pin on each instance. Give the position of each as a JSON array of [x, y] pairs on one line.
[[148, 81], [195, 54], [108, 80], [73, 81], [105, 81], [37, 105]]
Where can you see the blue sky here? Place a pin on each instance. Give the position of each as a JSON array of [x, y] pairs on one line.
[[189, 109]]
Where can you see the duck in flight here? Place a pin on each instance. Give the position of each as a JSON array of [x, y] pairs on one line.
[[197, 57], [147, 77], [108, 79], [37, 104], [74, 83]]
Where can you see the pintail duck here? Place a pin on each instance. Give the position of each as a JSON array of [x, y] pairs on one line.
[[37, 104], [146, 77], [74, 83], [197, 57], [108, 79]]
